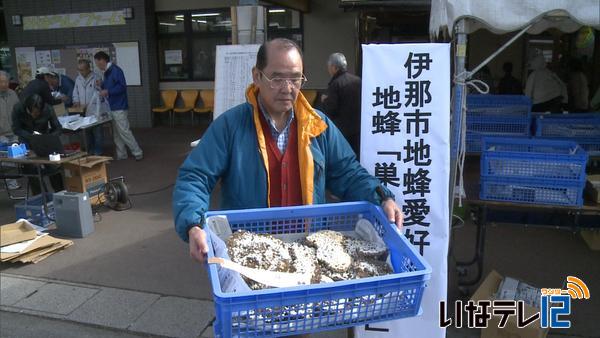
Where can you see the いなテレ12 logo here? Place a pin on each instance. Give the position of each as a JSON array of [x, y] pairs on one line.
[[556, 303]]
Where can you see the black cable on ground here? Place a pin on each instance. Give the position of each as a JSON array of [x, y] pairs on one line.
[[153, 191]]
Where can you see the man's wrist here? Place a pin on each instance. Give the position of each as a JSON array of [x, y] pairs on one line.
[[384, 194], [194, 226]]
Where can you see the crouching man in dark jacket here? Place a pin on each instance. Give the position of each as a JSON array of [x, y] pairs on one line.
[[34, 117]]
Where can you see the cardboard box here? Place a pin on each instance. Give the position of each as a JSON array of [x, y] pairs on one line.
[[592, 188], [87, 175], [16, 232], [60, 109], [487, 291], [77, 110]]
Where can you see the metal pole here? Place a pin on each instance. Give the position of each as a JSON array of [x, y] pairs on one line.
[[499, 50], [460, 54], [234, 26]]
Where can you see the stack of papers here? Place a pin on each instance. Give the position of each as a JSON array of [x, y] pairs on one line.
[[26, 243], [74, 122]]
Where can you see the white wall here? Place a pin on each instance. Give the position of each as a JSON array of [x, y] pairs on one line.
[[327, 29]]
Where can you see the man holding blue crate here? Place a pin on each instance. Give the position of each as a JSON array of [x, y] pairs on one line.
[[274, 150]]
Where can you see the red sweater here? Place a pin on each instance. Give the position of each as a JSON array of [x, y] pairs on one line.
[[284, 169]]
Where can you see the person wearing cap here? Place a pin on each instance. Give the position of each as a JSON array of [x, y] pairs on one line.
[[64, 85], [41, 86]]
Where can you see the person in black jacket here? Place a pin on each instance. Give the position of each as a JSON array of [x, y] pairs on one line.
[[41, 86], [509, 85], [342, 100], [31, 117]]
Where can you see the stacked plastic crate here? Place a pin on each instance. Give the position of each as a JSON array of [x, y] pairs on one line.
[[327, 306], [583, 128], [34, 211], [496, 115], [535, 171]]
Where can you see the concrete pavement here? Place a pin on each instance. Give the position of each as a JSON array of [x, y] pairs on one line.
[[131, 311]]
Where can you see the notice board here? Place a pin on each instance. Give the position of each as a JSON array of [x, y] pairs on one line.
[[63, 59]]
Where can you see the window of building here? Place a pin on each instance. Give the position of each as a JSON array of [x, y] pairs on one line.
[[187, 43], [284, 23], [5, 55]]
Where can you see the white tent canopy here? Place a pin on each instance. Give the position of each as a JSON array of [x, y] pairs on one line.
[[502, 16]]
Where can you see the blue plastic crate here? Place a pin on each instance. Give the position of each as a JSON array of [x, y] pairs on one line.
[[499, 114], [537, 158], [569, 126], [474, 140], [499, 125], [320, 307], [532, 191], [473, 143], [590, 145], [500, 105], [32, 210]]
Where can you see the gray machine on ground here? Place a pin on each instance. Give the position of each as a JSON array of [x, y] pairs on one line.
[[73, 213]]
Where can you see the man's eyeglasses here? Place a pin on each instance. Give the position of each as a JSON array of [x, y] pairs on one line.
[[279, 82]]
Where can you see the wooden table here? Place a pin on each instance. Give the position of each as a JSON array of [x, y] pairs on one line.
[[39, 162]]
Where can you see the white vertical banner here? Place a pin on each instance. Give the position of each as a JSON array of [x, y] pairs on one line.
[[233, 75], [405, 142]]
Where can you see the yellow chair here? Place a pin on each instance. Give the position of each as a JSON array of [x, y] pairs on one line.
[[310, 95], [208, 101], [168, 97], [189, 102]]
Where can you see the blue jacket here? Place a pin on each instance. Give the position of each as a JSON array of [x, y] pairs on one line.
[[66, 86], [234, 149], [114, 82]]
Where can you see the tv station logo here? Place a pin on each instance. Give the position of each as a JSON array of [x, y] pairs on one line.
[[554, 307]]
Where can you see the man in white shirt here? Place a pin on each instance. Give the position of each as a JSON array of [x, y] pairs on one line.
[[84, 92], [545, 88], [85, 84]]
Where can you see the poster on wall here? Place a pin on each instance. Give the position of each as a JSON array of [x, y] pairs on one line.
[[233, 75], [128, 58], [26, 64], [64, 59], [173, 57], [55, 56], [43, 58], [405, 143], [88, 54], [72, 20]]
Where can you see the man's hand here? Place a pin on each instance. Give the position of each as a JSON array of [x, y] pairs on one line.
[[198, 244], [104, 93], [393, 212]]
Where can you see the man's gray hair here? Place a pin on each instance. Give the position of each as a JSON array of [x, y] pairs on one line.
[[4, 74], [338, 60]]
